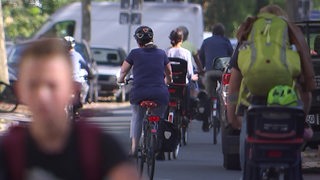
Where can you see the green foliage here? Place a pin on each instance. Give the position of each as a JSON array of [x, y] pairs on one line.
[[21, 22], [22, 18], [231, 13], [50, 6]]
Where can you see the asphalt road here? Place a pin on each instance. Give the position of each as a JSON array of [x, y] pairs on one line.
[[200, 159]]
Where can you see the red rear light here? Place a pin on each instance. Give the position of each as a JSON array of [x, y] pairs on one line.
[[226, 78], [274, 154], [172, 104], [154, 118], [170, 117], [172, 90]]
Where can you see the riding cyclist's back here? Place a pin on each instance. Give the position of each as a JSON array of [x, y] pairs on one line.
[[149, 65], [271, 52]]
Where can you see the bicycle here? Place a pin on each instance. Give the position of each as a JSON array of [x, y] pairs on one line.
[[219, 65], [176, 115], [177, 112], [148, 143], [214, 121], [273, 143], [8, 99]]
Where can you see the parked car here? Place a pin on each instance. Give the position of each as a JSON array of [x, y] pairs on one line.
[[109, 61], [229, 137], [82, 48], [311, 30]]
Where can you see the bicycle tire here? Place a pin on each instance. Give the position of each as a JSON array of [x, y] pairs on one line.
[[215, 132], [140, 160], [176, 151], [151, 156], [8, 99]]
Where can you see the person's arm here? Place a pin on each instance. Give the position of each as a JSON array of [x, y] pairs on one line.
[[84, 64], [125, 68], [230, 48], [168, 73], [202, 56], [198, 63], [189, 64], [233, 91]]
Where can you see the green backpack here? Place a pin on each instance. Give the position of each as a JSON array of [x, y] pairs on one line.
[[267, 59]]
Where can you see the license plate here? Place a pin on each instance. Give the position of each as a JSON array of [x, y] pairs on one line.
[[313, 119]]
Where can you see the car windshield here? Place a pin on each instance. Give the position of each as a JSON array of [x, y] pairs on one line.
[[105, 56]]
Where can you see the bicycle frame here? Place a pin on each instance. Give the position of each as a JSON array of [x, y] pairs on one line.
[[148, 147]]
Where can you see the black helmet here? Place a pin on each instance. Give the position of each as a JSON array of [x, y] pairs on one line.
[[185, 32], [176, 36], [143, 35]]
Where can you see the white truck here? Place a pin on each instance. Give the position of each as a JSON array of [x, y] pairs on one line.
[[108, 33]]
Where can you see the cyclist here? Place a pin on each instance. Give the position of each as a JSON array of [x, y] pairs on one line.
[[193, 50], [149, 64], [305, 80], [177, 51], [52, 146], [213, 47], [78, 62]]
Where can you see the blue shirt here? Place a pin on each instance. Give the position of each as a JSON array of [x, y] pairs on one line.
[[212, 48], [148, 72]]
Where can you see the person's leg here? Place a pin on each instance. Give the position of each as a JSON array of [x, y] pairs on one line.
[[211, 79], [136, 126], [84, 92], [208, 82]]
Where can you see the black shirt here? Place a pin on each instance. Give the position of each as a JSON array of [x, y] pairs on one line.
[[67, 163], [234, 58]]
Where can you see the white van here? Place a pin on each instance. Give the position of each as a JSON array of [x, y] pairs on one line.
[[106, 31]]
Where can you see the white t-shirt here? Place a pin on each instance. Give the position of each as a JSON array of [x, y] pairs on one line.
[[183, 54], [76, 58]]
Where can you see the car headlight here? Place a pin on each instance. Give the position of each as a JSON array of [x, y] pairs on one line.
[[6, 124]]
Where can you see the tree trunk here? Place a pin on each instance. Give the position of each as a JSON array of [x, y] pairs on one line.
[[292, 9], [86, 20], [3, 54]]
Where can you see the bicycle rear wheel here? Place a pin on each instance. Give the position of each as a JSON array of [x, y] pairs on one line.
[[8, 100], [151, 157], [215, 130], [184, 132]]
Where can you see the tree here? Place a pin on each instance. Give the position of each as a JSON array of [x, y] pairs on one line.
[[230, 12], [3, 58], [86, 20], [24, 17]]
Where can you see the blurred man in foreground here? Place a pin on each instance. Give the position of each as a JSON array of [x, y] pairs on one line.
[[53, 146]]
